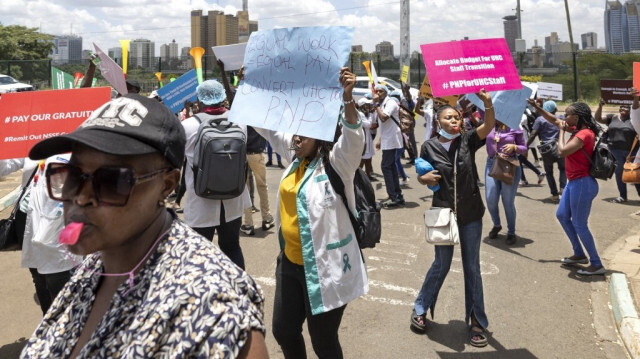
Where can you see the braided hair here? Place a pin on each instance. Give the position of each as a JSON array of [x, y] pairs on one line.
[[585, 119]]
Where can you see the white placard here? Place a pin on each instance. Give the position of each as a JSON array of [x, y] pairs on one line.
[[231, 55], [548, 90]]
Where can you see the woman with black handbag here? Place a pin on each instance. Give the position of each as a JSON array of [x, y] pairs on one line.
[[577, 198], [451, 145]]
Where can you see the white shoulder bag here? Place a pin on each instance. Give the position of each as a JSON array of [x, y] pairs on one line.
[[441, 224]]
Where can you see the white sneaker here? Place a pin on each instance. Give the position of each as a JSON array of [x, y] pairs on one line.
[[405, 181]]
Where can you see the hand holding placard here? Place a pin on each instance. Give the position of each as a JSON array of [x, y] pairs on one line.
[[291, 80]]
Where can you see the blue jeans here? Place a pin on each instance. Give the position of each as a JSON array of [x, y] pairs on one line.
[[401, 172], [573, 214], [621, 156], [495, 189], [390, 173], [470, 239], [551, 181]]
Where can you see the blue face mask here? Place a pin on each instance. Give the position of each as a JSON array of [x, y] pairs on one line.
[[447, 135]]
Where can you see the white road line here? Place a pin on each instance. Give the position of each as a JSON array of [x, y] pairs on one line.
[[389, 260], [392, 287], [405, 253], [371, 298]]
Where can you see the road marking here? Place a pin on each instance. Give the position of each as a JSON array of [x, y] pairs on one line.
[[389, 260], [392, 287], [371, 298]]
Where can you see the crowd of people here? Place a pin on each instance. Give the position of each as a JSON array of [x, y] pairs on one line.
[[132, 277]]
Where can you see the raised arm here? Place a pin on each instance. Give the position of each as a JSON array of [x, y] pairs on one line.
[[545, 114], [348, 81], [598, 115], [489, 115], [225, 81]]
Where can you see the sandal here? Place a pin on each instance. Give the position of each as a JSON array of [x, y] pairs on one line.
[[418, 322], [477, 339]]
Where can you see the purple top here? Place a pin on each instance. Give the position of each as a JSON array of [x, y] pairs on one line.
[[506, 137]]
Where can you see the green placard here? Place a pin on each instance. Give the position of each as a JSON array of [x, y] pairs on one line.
[[60, 79]]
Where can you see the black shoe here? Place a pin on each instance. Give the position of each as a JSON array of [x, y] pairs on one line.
[[269, 164], [254, 209], [267, 224], [412, 162], [372, 179], [247, 229], [280, 165], [511, 239], [494, 232], [400, 200]]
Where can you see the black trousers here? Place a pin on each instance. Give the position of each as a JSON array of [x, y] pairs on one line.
[[291, 308], [228, 237], [48, 286]]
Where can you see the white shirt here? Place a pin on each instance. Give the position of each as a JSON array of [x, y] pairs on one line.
[[40, 248], [428, 118], [203, 212], [369, 149], [390, 134]]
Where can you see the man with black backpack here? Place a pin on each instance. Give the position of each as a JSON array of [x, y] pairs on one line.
[[216, 172]]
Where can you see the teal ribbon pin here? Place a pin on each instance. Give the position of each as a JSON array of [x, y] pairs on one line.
[[345, 260]]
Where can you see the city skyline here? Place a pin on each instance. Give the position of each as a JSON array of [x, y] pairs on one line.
[[375, 21]]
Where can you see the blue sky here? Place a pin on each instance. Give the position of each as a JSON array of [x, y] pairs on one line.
[[105, 22]]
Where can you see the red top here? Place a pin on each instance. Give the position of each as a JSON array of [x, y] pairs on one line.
[[577, 165]]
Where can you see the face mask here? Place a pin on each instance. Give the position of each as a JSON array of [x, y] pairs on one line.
[[447, 135]]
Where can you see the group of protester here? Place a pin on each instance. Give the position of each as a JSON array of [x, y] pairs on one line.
[[134, 278]]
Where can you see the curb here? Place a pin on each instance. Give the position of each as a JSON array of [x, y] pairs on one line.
[[9, 199], [625, 313]]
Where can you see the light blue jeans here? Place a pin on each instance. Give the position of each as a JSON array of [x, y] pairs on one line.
[[494, 189], [573, 214], [470, 239]]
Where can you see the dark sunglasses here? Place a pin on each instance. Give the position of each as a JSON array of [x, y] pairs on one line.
[[112, 186]]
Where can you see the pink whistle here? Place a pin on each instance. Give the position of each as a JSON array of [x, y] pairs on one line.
[[70, 234]]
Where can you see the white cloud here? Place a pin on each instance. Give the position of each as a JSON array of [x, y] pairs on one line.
[[105, 22]]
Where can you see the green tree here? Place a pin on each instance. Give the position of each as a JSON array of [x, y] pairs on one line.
[[23, 43]]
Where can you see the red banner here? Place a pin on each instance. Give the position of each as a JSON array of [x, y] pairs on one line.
[[29, 117]]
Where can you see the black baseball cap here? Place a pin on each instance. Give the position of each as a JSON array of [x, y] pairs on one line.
[[128, 125]]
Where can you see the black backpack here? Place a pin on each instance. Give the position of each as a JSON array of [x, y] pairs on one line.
[[220, 159], [603, 164], [368, 225]]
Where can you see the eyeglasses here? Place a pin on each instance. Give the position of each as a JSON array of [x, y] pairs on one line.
[[112, 186]]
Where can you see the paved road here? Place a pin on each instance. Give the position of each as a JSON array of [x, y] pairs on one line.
[[536, 308]]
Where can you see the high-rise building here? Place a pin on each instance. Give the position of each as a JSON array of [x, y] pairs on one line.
[[385, 49], [142, 53], [589, 41], [511, 31], [115, 53], [561, 52], [615, 27], [549, 41], [184, 52], [217, 28], [169, 51], [68, 49], [356, 48]]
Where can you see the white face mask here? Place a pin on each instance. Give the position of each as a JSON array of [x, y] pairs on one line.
[[447, 135]]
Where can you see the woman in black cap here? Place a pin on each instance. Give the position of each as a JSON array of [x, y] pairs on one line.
[[149, 286]]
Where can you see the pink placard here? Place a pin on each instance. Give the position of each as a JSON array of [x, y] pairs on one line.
[[461, 67]]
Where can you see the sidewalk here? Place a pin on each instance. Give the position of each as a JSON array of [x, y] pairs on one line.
[[624, 288]]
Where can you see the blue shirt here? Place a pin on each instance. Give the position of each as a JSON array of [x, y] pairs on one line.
[[546, 130]]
